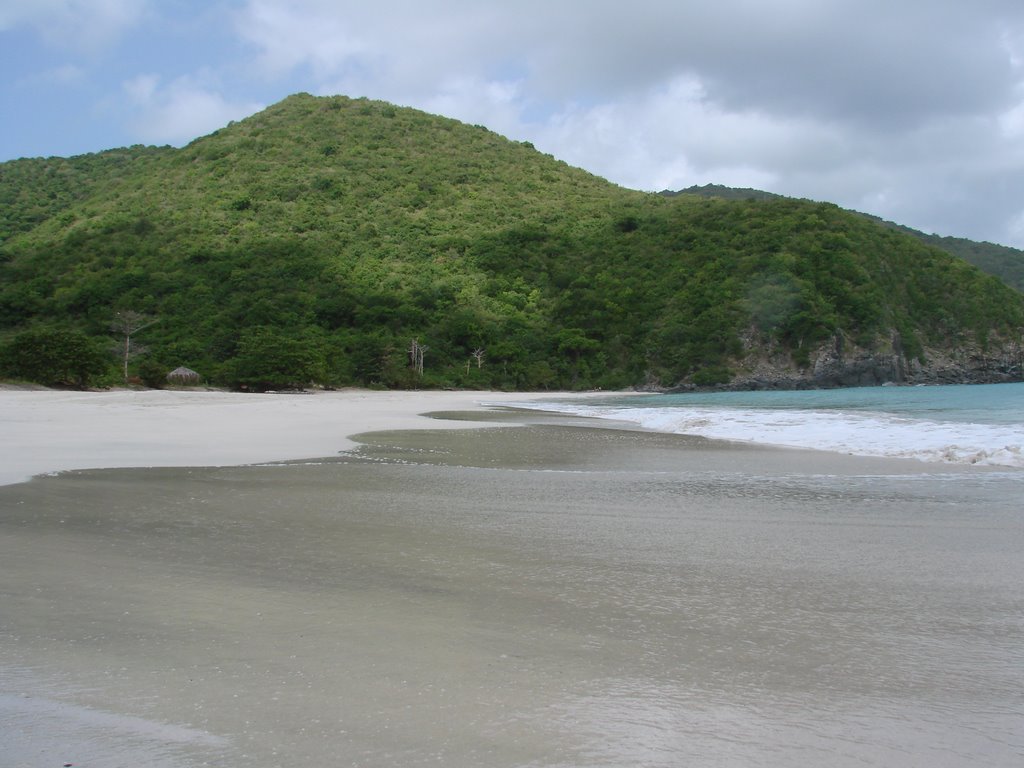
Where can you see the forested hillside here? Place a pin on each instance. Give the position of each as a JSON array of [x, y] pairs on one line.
[[1004, 262], [1000, 260], [338, 241]]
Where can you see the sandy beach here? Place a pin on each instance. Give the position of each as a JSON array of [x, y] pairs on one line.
[[52, 431], [553, 594]]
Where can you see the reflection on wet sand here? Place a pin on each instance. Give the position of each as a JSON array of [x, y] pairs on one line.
[[546, 596]]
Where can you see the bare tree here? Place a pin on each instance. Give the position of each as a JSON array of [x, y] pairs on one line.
[[126, 324], [478, 355], [416, 352]]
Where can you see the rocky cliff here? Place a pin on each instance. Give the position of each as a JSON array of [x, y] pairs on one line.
[[840, 363]]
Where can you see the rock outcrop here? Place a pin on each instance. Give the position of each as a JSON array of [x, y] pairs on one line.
[[839, 363]]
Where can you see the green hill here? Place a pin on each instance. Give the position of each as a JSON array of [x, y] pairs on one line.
[[34, 190], [721, 192], [1004, 262], [324, 238]]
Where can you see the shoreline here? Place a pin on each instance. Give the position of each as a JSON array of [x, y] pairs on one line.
[[557, 593], [51, 431]]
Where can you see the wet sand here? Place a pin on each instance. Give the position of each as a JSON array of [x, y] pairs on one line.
[[549, 595]]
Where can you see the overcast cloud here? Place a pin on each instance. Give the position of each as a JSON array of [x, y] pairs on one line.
[[911, 110]]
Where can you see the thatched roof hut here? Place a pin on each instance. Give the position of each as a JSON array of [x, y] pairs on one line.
[[183, 375]]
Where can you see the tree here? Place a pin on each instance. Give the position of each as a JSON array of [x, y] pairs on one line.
[[54, 357], [573, 343], [416, 352], [771, 300], [126, 324], [268, 358]]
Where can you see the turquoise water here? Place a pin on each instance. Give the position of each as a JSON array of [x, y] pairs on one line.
[[974, 404], [978, 424]]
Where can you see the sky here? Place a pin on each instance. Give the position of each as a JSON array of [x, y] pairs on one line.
[[912, 110]]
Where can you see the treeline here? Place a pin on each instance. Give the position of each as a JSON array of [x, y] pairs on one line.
[[350, 242], [1004, 262]]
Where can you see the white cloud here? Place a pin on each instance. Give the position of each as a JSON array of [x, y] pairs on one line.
[[912, 110], [1015, 228], [1011, 122], [290, 36], [899, 108], [497, 104], [83, 25], [180, 111], [672, 136], [142, 88]]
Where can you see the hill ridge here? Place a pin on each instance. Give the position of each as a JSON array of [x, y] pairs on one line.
[[1003, 261], [325, 238]]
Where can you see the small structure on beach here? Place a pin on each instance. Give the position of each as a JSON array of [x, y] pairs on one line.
[[183, 375]]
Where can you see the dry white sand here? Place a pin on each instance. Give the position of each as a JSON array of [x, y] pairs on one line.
[[51, 431]]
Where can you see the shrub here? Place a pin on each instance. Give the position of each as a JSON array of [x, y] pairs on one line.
[[54, 357]]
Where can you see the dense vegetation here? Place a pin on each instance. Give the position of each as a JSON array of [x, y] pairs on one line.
[[1004, 262], [344, 241], [1000, 260]]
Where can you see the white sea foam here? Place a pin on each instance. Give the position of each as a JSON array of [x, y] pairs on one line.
[[858, 433]]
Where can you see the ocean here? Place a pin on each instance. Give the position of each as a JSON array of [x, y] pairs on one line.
[[975, 424]]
